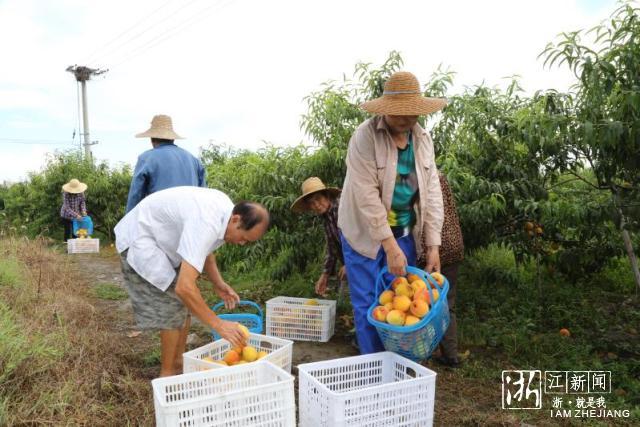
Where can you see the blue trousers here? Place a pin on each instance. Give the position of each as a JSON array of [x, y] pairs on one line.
[[362, 273]]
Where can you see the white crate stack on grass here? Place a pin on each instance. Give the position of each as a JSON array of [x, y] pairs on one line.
[[295, 319], [250, 395], [83, 246], [280, 353], [380, 389]]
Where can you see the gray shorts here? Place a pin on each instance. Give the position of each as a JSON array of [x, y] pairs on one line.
[[153, 309]]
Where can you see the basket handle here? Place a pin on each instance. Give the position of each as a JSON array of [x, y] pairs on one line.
[[241, 302]]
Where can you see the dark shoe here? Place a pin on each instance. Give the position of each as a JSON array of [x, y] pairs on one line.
[[451, 362]]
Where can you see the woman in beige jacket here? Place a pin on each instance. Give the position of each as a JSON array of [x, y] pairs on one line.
[[390, 169]]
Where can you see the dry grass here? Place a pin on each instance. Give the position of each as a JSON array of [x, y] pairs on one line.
[[60, 363]]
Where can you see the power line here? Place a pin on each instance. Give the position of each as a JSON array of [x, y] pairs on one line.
[[34, 141], [147, 29], [93, 54], [173, 31]]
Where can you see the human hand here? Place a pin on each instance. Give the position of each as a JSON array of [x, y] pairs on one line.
[[227, 294], [396, 260], [433, 259], [78, 216], [321, 284], [230, 332], [342, 273]]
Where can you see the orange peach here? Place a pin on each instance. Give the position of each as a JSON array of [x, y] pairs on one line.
[[413, 277], [397, 281], [438, 277], [417, 285], [380, 313], [386, 296], [396, 317], [419, 308], [262, 354], [401, 302], [389, 306], [411, 320], [404, 289], [232, 357]]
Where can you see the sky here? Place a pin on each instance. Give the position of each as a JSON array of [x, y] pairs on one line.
[[236, 72]]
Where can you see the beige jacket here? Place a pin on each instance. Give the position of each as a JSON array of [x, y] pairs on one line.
[[372, 159]]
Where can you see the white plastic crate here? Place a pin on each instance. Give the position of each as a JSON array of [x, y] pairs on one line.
[[292, 318], [83, 246], [379, 389], [256, 394], [280, 353]]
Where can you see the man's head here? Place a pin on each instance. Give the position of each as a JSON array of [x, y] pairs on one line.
[[159, 141], [400, 124], [248, 223]]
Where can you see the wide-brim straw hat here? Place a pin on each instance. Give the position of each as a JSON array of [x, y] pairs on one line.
[[161, 127], [74, 186], [311, 186], [402, 97]]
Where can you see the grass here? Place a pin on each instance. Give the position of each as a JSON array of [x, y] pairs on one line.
[[60, 363], [109, 291], [509, 322]]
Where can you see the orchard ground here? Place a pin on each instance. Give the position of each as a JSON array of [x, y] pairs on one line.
[[74, 354]]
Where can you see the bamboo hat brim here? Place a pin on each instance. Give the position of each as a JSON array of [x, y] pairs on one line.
[[74, 187], [402, 97], [311, 186], [161, 127]]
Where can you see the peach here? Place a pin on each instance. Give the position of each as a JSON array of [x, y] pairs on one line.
[[436, 294], [386, 296], [396, 317], [249, 354], [232, 357], [565, 332], [419, 308], [422, 294], [389, 306], [208, 359], [413, 277], [380, 313], [404, 289], [411, 320], [401, 302], [262, 354], [417, 285], [220, 362], [397, 281], [438, 277], [244, 330]]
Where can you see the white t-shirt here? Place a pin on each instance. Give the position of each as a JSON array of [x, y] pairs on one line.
[[170, 226]]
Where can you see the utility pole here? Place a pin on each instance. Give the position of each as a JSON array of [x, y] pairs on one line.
[[83, 74]]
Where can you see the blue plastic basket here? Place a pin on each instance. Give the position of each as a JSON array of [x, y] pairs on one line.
[[418, 341], [252, 321], [86, 222]]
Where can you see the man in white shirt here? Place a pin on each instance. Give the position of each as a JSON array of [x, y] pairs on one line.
[[165, 243]]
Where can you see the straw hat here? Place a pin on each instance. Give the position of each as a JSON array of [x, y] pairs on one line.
[[310, 186], [402, 97], [74, 186], [161, 127]]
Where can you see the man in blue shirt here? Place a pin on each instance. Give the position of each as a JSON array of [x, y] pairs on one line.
[[164, 166]]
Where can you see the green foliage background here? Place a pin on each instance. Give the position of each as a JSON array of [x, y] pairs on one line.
[[567, 162]]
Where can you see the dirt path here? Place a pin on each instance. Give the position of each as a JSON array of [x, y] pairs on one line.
[[461, 399]]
